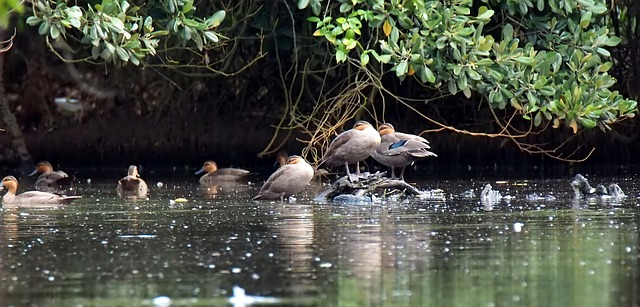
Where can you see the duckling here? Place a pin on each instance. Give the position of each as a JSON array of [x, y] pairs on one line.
[[49, 179], [214, 175], [132, 184], [287, 180], [352, 146], [30, 198]]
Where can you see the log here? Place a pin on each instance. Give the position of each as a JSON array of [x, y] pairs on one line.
[[372, 187]]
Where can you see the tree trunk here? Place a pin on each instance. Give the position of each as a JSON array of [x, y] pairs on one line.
[[18, 151]]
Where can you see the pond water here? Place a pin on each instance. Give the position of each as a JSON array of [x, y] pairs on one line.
[[105, 251]]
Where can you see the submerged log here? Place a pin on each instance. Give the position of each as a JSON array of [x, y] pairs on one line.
[[369, 187]]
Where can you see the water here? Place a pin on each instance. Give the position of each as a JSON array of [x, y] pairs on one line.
[[104, 251]]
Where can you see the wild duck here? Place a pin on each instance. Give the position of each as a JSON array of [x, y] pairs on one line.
[[581, 188], [400, 154], [48, 178], [214, 175], [352, 146], [400, 149], [30, 198], [287, 180], [132, 184]]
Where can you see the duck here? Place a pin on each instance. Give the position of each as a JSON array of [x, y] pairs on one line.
[[214, 175], [132, 184], [281, 159], [352, 146], [287, 180], [388, 133], [30, 198], [581, 188], [399, 149], [48, 178]]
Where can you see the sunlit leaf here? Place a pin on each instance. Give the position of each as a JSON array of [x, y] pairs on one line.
[[386, 28]]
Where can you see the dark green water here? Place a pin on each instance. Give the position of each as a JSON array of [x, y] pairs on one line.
[[104, 251]]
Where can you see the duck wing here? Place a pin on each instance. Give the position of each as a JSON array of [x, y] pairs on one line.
[[338, 142]]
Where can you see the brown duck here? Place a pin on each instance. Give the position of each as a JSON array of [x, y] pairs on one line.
[[287, 180], [214, 175], [400, 149], [352, 146], [132, 184], [30, 198], [48, 178]]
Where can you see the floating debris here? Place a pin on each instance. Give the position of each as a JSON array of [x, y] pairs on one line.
[[240, 299], [161, 301]]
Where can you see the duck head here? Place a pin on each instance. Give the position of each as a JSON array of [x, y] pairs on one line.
[[9, 183], [362, 125], [208, 167], [386, 128], [133, 171], [295, 160], [282, 157], [42, 167]]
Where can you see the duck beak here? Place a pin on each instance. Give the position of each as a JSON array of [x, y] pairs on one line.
[[200, 170], [35, 171]]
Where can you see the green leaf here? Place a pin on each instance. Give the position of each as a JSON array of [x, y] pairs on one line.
[[217, 18], [212, 37], [486, 14], [586, 122], [537, 120], [402, 68], [585, 19], [122, 54], [428, 75], [525, 60], [33, 20], [302, 4], [507, 32], [55, 32], [612, 41], [364, 59], [484, 62], [341, 55]]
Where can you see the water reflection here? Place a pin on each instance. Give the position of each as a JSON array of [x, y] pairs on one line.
[[108, 251]]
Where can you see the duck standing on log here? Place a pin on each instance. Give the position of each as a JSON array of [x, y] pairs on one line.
[[352, 146], [399, 149]]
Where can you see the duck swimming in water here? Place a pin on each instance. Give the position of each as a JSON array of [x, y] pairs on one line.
[[132, 184], [49, 179], [30, 198], [400, 149], [214, 175], [287, 180], [581, 188], [352, 146]]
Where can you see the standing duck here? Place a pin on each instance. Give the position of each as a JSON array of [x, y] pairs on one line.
[[132, 184], [352, 146], [30, 198], [49, 179], [400, 149], [214, 175], [287, 180]]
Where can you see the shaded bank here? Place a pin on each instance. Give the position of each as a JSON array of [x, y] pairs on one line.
[[194, 138]]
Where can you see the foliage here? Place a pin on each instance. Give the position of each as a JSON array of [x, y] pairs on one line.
[[548, 59], [119, 32], [6, 6]]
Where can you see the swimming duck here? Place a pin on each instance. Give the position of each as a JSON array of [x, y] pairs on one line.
[[132, 184], [287, 180], [213, 174], [48, 179], [31, 198], [352, 146], [400, 149], [581, 188]]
